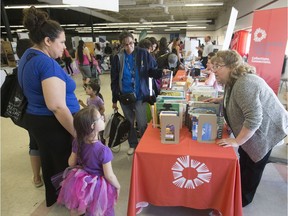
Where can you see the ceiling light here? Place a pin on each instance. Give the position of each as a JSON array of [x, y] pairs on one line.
[[39, 6], [174, 30], [199, 21], [204, 4]]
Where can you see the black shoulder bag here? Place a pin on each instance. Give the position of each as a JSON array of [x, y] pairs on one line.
[[14, 102]]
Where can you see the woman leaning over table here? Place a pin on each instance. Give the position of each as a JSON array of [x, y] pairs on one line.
[[50, 94], [83, 58], [252, 110]]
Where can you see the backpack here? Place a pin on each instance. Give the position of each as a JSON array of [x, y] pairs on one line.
[[13, 101], [117, 129]]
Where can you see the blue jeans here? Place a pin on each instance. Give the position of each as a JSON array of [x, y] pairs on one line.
[[131, 111]]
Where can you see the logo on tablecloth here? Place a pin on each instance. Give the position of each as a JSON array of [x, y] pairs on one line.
[[182, 163]]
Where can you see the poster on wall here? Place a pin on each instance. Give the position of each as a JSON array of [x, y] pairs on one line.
[[268, 43]]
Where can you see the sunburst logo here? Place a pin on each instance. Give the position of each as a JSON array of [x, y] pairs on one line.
[[182, 163], [259, 35]]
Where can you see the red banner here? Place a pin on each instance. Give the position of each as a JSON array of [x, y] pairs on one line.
[[239, 41], [268, 43]]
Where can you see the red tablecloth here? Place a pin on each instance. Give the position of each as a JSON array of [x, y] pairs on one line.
[[190, 174]]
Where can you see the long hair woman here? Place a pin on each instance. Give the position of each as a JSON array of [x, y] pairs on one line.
[[83, 58]]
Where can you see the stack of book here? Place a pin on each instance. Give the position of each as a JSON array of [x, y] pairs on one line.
[[170, 127], [204, 120]]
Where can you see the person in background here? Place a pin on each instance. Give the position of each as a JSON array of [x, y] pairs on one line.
[[130, 71], [135, 42], [50, 95], [60, 62], [169, 61], [108, 49], [154, 43], [95, 97], [83, 57], [211, 79], [90, 186], [163, 47], [252, 110], [22, 46], [147, 44], [208, 48], [68, 60], [98, 52], [176, 48], [200, 54]]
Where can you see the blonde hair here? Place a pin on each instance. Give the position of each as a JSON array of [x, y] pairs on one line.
[[232, 60]]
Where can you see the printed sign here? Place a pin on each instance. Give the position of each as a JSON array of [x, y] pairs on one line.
[[268, 43]]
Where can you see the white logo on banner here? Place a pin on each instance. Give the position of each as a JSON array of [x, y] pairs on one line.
[[259, 35], [182, 163]]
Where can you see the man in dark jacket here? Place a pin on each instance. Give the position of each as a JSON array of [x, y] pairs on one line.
[[130, 73]]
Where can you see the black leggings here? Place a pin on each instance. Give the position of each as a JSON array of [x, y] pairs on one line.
[[54, 143], [68, 67], [251, 173]]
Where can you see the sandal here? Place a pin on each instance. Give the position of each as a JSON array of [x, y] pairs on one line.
[[37, 184]]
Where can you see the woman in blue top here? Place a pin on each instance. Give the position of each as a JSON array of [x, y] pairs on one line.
[[50, 94]]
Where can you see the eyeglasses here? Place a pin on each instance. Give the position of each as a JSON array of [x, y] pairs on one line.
[[128, 44], [216, 67], [97, 119]]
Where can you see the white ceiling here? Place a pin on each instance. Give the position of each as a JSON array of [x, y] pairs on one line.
[[157, 16]]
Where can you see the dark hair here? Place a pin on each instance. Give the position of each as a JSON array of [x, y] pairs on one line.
[[211, 54], [22, 46], [153, 40], [94, 86], [80, 51], [163, 46], [82, 121], [40, 25], [125, 34], [145, 43]]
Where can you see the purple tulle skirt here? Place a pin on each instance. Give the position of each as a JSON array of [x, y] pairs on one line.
[[89, 194]]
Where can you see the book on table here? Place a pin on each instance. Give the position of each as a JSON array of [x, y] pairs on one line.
[[170, 128], [166, 80]]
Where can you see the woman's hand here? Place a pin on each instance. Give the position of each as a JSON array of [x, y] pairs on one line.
[[214, 100], [228, 142]]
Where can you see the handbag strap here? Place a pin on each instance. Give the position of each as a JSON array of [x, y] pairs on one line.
[[28, 58]]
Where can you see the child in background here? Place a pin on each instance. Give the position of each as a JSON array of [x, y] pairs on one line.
[[92, 187], [93, 90]]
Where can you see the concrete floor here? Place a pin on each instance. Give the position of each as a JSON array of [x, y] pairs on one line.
[[20, 198]]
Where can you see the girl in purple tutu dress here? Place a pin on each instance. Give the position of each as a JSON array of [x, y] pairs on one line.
[[91, 188]]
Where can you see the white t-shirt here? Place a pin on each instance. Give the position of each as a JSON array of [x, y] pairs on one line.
[[208, 48]]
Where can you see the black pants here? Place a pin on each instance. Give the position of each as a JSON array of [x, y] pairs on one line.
[[204, 61], [54, 143], [251, 174], [68, 65]]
